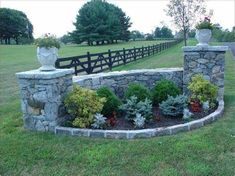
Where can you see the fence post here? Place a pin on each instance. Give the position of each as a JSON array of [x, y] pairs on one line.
[[148, 50], [88, 63], [110, 60], [134, 54], [124, 56], [153, 49], [142, 51]]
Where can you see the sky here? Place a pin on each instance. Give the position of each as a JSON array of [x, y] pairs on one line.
[[57, 16]]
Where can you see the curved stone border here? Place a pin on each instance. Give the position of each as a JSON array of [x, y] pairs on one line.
[[144, 133]]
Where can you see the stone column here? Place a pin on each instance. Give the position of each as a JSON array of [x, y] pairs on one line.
[[208, 61], [42, 94]]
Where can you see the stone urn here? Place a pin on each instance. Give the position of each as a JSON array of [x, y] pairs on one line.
[[47, 58], [203, 36]]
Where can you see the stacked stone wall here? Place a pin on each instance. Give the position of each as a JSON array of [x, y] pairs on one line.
[[118, 81]]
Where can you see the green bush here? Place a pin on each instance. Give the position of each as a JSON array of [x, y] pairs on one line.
[[112, 101], [202, 90], [173, 106], [138, 90], [47, 41], [132, 107], [163, 89], [83, 104]]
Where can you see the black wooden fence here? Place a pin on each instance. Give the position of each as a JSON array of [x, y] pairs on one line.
[[98, 62]]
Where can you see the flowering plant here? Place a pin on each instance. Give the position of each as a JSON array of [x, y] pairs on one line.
[[47, 41], [205, 24]]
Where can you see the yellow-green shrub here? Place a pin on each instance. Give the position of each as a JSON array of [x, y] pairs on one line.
[[83, 104], [202, 89]]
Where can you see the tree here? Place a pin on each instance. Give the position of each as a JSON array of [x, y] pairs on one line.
[[100, 22], [66, 39], [136, 35], [163, 32], [149, 36], [192, 33], [221, 35], [14, 24], [185, 14]]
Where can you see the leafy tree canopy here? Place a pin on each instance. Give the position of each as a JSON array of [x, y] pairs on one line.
[[100, 22], [136, 35], [14, 24], [163, 32]]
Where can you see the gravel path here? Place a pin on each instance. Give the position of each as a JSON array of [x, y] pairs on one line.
[[231, 45]]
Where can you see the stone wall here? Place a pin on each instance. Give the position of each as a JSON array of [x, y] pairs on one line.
[[208, 61], [118, 81], [42, 94]]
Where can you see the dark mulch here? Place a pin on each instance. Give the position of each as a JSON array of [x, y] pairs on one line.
[[158, 120]]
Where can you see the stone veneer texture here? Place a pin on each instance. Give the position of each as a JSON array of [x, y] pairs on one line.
[[119, 80], [208, 61], [42, 94]]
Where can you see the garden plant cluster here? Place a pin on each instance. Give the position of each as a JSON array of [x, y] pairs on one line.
[[102, 109]]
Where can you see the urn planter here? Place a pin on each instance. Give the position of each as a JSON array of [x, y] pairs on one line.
[[47, 58], [203, 36]]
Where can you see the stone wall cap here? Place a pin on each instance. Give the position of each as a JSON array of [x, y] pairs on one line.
[[125, 72], [37, 74], [205, 48]]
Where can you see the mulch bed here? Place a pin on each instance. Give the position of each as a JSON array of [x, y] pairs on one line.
[[157, 121]]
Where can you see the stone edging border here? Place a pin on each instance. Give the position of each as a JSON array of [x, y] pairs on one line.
[[144, 133]]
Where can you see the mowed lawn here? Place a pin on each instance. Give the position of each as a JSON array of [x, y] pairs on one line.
[[207, 151]]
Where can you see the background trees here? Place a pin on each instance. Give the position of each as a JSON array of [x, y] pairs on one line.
[[136, 35], [15, 25], [100, 22], [163, 32], [221, 35], [185, 14]]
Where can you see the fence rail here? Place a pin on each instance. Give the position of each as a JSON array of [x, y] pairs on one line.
[[98, 62]]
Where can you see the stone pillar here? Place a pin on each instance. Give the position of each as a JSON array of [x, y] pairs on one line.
[[42, 94], [208, 61]]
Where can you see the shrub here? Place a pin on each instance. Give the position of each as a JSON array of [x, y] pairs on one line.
[[139, 121], [83, 104], [187, 114], [99, 121], [202, 90], [133, 107], [138, 90], [112, 101], [174, 106], [163, 89]]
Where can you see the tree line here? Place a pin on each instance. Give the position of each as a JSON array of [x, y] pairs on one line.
[[99, 22], [14, 25]]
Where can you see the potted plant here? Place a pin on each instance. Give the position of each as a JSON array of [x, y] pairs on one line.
[[203, 32], [47, 52]]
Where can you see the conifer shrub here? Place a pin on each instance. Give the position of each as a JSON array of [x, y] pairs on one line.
[[174, 106], [138, 90], [132, 107], [112, 101], [163, 89]]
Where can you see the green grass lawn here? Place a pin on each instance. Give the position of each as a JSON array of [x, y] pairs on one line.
[[207, 151]]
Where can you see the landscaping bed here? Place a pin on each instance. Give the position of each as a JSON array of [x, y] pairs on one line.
[[140, 108]]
